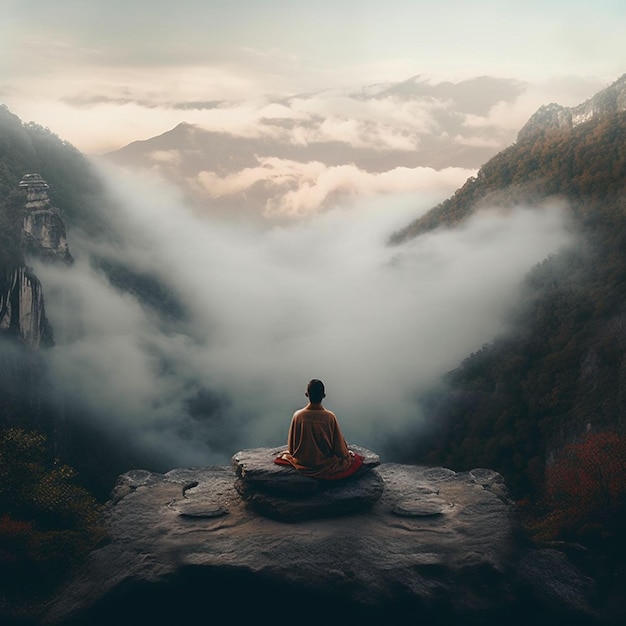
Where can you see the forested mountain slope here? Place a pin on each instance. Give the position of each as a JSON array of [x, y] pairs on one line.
[[586, 165], [549, 397]]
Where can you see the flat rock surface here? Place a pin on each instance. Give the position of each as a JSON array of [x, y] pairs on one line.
[[437, 545]]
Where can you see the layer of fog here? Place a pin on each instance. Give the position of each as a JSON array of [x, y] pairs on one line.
[[266, 310]]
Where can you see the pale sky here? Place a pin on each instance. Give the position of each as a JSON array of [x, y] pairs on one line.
[[102, 73]]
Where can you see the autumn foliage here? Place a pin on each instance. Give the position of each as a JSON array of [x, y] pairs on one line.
[[585, 490], [48, 522]]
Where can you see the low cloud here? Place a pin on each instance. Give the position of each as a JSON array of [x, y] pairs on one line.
[[125, 105], [295, 189], [266, 310]]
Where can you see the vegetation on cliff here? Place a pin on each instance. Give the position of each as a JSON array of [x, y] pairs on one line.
[[29, 148], [585, 165], [529, 403], [48, 523]]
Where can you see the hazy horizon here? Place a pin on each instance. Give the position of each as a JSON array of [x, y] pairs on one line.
[[104, 74]]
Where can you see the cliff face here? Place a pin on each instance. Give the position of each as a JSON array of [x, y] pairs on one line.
[[33, 228], [554, 116], [22, 311]]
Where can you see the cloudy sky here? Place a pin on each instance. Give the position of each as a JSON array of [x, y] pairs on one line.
[[103, 73], [334, 114]]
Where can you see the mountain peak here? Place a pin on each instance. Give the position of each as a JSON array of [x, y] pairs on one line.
[[554, 116]]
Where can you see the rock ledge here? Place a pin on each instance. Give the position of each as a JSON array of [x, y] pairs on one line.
[[281, 493], [437, 547]]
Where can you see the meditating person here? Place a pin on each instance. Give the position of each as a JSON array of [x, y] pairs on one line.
[[316, 446]]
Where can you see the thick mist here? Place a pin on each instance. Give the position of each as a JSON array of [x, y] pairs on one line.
[[266, 309]]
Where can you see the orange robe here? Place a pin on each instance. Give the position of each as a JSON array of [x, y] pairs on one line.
[[316, 444]]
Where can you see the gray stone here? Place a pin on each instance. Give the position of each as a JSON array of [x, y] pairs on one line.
[[198, 509], [282, 493], [341, 498], [22, 308], [43, 235], [162, 566], [43, 228], [423, 507]]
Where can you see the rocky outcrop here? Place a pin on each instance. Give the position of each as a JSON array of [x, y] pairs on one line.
[[436, 547], [284, 494], [43, 230], [554, 116], [22, 311]]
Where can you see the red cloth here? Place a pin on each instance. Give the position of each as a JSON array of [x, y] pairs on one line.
[[354, 466], [279, 461]]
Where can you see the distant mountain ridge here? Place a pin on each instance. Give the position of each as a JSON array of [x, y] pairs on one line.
[[287, 144], [554, 116]]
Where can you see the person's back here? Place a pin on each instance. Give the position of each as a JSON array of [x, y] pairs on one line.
[[316, 444]]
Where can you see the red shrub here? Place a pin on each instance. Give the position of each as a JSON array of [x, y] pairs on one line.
[[585, 488]]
